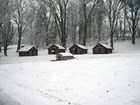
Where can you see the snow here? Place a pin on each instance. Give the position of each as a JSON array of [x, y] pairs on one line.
[[26, 48], [5, 99], [66, 54], [81, 46], [112, 79], [105, 45], [59, 46]]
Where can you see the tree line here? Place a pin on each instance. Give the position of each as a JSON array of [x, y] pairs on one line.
[[44, 22]]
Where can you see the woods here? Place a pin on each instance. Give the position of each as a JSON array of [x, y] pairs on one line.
[[67, 22]]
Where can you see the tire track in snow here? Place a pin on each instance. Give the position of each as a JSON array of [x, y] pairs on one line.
[[47, 95], [5, 99]]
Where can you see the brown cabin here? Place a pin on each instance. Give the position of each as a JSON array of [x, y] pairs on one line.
[[78, 49], [102, 49], [55, 49], [64, 56], [28, 51]]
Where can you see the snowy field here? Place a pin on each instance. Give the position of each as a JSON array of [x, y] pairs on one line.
[[112, 79]]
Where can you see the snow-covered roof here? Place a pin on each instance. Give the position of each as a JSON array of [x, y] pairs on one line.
[[59, 46], [26, 48], [81, 46], [66, 54], [105, 45]]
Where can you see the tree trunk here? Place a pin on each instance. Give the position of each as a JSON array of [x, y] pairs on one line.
[[133, 35], [85, 25], [47, 42], [74, 32], [100, 23], [62, 34], [5, 50], [64, 41], [99, 35], [139, 32], [80, 32], [47, 36], [19, 40], [124, 25], [121, 36], [85, 34], [111, 39], [133, 29]]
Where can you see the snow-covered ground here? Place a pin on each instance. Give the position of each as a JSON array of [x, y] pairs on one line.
[[112, 79]]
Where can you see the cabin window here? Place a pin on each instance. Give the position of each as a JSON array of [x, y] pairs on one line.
[[52, 51]]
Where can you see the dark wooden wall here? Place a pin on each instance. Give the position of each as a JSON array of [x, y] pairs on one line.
[[55, 50], [99, 49], [77, 50]]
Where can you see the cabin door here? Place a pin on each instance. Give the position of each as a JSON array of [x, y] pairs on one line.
[[76, 50], [34, 53], [30, 53]]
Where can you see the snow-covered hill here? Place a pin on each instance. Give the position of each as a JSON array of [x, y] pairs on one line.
[[112, 79], [127, 47]]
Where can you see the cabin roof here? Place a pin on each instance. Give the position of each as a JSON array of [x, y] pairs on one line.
[[105, 45], [59, 46], [66, 54], [81, 46], [26, 48]]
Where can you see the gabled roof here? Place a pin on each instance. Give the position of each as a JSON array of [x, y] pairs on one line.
[[105, 45], [66, 54], [26, 48], [81, 46], [57, 45]]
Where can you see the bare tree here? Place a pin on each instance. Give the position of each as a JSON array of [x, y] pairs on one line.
[[72, 20], [6, 28], [42, 24], [20, 9], [133, 18], [46, 16], [3, 7], [113, 9], [87, 7], [125, 21], [100, 11], [137, 2], [7, 33], [59, 12]]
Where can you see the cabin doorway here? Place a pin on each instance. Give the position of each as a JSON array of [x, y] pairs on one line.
[[75, 51], [30, 53], [34, 53]]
